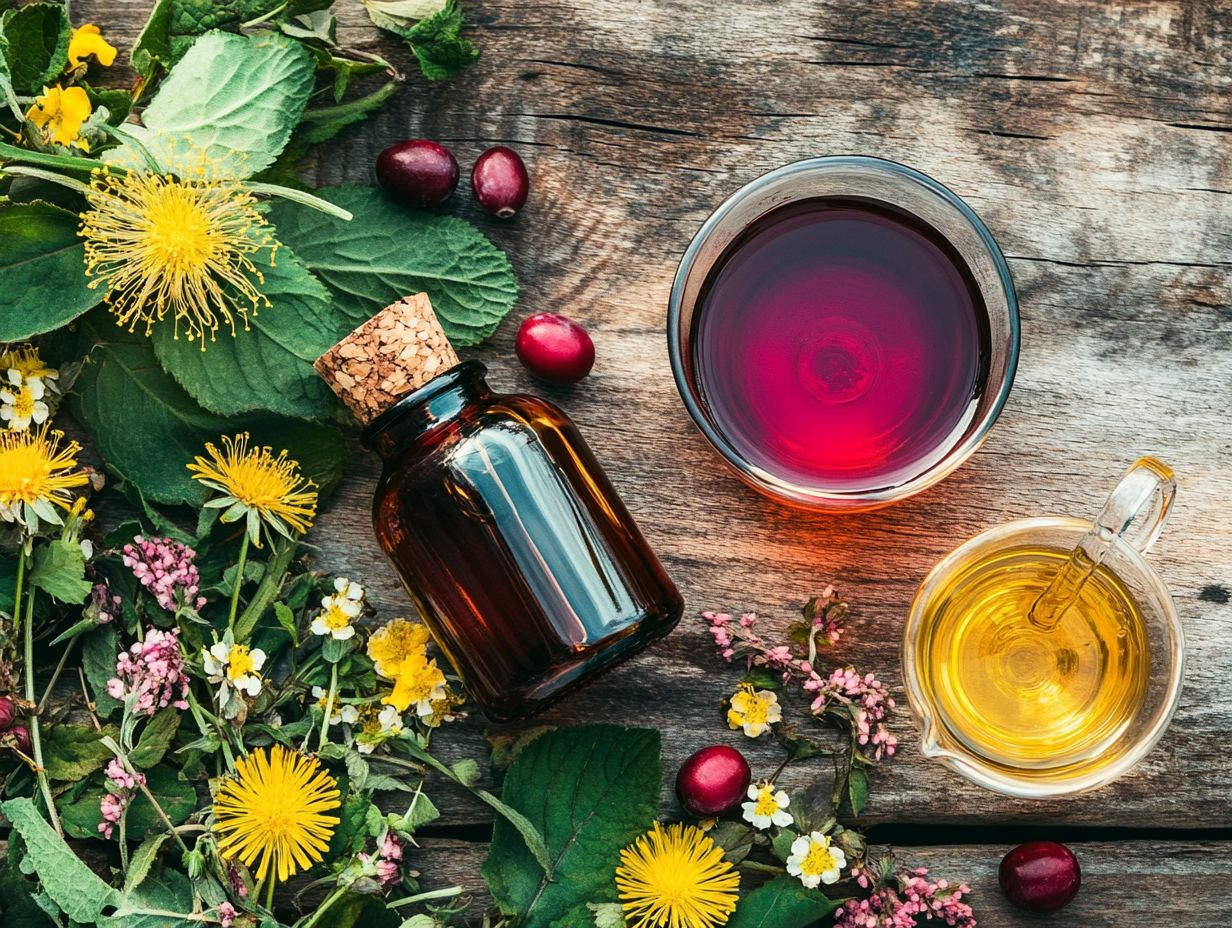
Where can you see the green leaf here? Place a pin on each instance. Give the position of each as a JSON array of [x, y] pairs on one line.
[[857, 789], [438, 43], [80, 815], [73, 752], [60, 570], [153, 904], [235, 97], [782, 903], [123, 384], [399, 15], [98, 661], [286, 618], [270, 366], [387, 252], [143, 859], [37, 38], [42, 270], [69, 882], [590, 791], [156, 737]]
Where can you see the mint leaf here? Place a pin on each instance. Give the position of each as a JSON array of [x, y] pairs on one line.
[[36, 39], [42, 270], [590, 791], [235, 98], [438, 44], [174, 25], [60, 570], [154, 902], [98, 661], [156, 737], [387, 252], [268, 367], [123, 383], [782, 903], [73, 752], [857, 789], [399, 15], [70, 883]]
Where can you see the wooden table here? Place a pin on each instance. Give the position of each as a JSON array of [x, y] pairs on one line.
[[1093, 140]]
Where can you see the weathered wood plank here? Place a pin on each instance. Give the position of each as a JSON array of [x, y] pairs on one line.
[[1092, 139]]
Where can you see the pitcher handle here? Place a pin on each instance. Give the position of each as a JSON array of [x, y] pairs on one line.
[[1134, 512]]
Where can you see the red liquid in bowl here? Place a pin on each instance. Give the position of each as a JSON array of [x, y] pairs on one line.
[[841, 344]]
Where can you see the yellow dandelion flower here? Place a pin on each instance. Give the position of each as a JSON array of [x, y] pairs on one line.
[[180, 245], [87, 40], [37, 475], [754, 710], [59, 113], [396, 642], [676, 877], [274, 810], [255, 484]]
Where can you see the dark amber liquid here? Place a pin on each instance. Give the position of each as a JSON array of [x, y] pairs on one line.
[[843, 344], [517, 551]]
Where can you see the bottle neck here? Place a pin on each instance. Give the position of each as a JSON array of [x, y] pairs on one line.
[[437, 403]]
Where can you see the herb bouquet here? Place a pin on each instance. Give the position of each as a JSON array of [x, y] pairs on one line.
[[160, 230]]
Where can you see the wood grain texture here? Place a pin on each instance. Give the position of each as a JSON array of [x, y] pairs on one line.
[[1093, 139]]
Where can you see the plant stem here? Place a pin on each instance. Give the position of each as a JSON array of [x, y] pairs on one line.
[[222, 735], [36, 742], [239, 580], [265, 17], [759, 867], [55, 676], [269, 894], [21, 577], [124, 838], [323, 908], [140, 780], [329, 705]]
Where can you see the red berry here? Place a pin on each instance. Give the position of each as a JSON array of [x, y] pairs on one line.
[[418, 172], [1040, 876], [21, 738], [8, 712], [713, 780], [500, 181], [555, 348]]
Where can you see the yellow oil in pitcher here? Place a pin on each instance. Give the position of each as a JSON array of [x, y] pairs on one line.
[[1021, 694]]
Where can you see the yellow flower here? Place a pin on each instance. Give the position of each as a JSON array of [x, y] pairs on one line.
[[418, 682], [275, 809], [754, 710], [60, 113], [36, 475], [87, 41], [26, 360], [396, 642], [676, 877], [256, 484], [181, 245]]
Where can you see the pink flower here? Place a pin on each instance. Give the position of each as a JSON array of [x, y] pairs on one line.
[[389, 861], [167, 569], [226, 914], [151, 673], [905, 901], [123, 787]]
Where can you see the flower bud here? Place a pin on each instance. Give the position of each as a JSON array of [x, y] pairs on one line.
[[20, 736], [8, 712], [194, 864]]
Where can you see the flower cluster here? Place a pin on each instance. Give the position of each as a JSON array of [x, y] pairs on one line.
[[399, 652], [386, 865], [864, 700], [151, 673], [167, 569], [123, 786], [906, 900], [60, 114]]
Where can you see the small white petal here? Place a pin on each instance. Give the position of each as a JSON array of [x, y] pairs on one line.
[[319, 627], [344, 633], [258, 658]]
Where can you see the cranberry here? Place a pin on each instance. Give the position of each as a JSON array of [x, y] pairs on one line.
[[1040, 876], [21, 738], [713, 780], [555, 348], [418, 172], [8, 712], [500, 181]]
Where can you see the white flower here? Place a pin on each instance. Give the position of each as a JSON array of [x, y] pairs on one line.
[[340, 712], [349, 714], [235, 667], [339, 610], [766, 807], [754, 710], [21, 401], [391, 720], [813, 860]]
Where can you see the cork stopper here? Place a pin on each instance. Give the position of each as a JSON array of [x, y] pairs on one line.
[[396, 351]]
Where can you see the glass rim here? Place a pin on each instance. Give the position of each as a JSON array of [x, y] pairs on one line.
[[1000, 779], [815, 496]]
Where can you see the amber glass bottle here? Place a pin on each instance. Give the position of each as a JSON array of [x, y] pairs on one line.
[[509, 538]]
